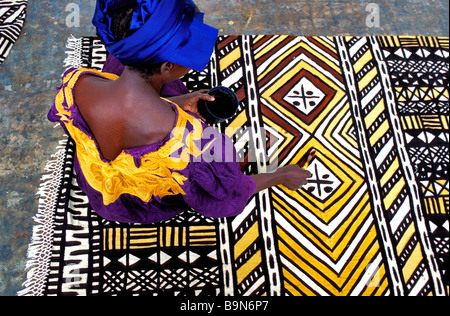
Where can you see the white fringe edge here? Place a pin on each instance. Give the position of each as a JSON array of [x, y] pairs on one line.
[[74, 52], [40, 248]]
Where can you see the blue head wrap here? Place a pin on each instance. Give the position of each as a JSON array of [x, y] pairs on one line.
[[164, 30]]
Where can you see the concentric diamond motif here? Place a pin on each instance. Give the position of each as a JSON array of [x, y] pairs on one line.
[[305, 96], [323, 182], [331, 186]]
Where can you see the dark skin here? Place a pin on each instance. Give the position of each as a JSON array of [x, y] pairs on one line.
[[128, 112]]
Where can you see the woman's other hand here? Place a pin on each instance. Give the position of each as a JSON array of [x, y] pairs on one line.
[[189, 102]]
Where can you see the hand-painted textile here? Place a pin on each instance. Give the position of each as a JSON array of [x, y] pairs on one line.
[[373, 221]]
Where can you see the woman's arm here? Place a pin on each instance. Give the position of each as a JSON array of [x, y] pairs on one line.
[[189, 102], [292, 177]]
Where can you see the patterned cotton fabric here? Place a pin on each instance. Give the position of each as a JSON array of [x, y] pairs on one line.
[[12, 18], [374, 220]]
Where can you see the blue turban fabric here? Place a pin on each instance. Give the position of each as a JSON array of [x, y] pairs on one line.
[[164, 30]]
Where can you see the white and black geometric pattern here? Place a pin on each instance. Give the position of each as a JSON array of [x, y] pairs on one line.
[[374, 220], [12, 18]]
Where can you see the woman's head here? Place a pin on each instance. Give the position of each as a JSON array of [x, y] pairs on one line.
[[148, 34], [120, 29]]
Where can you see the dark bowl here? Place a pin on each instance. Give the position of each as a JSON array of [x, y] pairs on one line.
[[223, 108]]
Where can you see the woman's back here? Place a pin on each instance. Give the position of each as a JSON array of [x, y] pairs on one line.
[[122, 114]]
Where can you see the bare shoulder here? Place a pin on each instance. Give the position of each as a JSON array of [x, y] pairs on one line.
[[88, 87]]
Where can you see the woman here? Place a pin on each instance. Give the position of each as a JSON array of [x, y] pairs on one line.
[[141, 158]]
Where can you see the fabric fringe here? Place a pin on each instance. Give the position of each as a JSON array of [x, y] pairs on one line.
[[74, 52], [40, 248]]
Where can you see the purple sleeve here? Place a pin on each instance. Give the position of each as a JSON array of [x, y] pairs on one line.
[[219, 189], [173, 89], [52, 115], [216, 186]]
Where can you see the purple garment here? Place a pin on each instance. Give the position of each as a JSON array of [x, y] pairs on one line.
[[113, 66], [174, 89], [171, 89], [215, 186]]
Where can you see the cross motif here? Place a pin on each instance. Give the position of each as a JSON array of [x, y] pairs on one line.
[[305, 96], [323, 182]]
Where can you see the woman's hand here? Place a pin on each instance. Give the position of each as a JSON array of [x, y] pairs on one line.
[[293, 177], [189, 102]]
